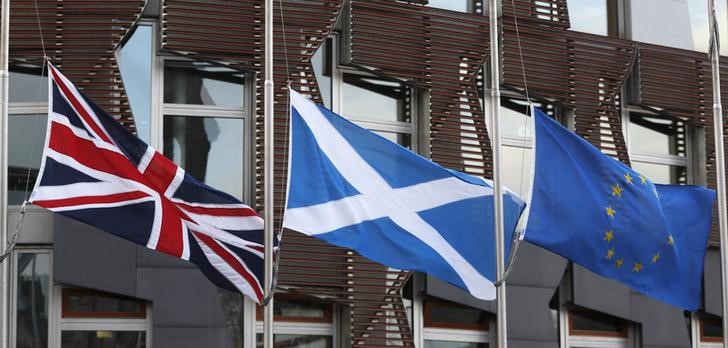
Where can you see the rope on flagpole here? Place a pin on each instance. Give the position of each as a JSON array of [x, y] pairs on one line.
[[18, 227]]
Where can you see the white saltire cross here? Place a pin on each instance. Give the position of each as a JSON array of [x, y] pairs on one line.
[[377, 199]]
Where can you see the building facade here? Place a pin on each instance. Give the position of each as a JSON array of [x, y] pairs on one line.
[[630, 76]]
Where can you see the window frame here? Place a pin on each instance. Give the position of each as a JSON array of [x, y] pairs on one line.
[[66, 313], [13, 324], [452, 332], [245, 113], [290, 325], [623, 333]]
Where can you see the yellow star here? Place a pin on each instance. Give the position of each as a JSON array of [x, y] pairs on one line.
[[608, 235], [655, 257], [637, 267], [611, 212], [617, 190], [644, 180], [628, 178], [610, 253], [670, 240], [619, 263]]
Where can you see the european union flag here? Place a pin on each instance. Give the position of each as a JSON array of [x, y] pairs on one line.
[[358, 190], [601, 214]]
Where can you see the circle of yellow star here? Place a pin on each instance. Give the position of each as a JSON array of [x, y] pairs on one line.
[[619, 263], [656, 257], [628, 178], [610, 253], [609, 235], [617, 190], [611, 212], [637, 267], [670, 240]]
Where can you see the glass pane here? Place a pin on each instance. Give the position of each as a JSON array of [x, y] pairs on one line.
[[593, 321], [453, 5], [453, 344], [372, 99], [208, 148], [450, 313], [517, 164], [299, 308], [662, 173], [678, 23], [712, 328], [202, 84], [322, 65], [26, 138], [399, 138], [103, 339], [33, 286], [27, 85], [298, 341], [79, 302], [515, 119], [657, 136], [136, 72], [589, 16]]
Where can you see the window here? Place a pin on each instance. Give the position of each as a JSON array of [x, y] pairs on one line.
[[710, 330], [299, 322], [681, 24], [450, 325], [204, 123], [468, 6], [135, 63], [91, 318], [588, 328], [380, 105], [659, 148], [28, 111], [593, 16], [32, 297]]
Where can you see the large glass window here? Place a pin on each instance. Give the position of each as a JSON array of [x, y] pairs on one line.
[[300, 322], [33, 288], [659, 148], [468, 6], [711, 331], [681, 23], [204, 123], [593, 16], [26, 138], [136, 71], [450, 325], [593, 329], [94, 319]]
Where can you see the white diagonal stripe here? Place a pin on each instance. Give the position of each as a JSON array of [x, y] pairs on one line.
[[384, 199]]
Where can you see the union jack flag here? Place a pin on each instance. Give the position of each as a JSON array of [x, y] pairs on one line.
[[95, 171]]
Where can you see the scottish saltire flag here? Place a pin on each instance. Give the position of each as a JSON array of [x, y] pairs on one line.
[[95, 171], [601, 214], [355, 189]]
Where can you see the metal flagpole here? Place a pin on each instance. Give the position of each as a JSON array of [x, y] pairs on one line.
[[268, 175], [497, 184], [720, 163], [4, 84]]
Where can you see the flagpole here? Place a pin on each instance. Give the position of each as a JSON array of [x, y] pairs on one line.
[[268, 175], [719, 163], [501, 323], [4, 85]]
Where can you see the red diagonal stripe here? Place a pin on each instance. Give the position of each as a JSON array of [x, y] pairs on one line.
[[170, 236], [240, 211], [232, 261], [78, 107], [160, 172], [117, 197]]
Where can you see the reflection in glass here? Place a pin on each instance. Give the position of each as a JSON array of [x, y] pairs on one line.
[[451, 313], [26, 137], [103, 339], [373, 99], [400, 138], [594, 321], [453, 5], [208, 148], [27, 84], [322, 65], [201, 83], [136, 71], [297, 341], [657, 136], [88, 301], [299, 308], [517, 163], [515, 120], [453, 344], [33, 284], [681, 24], [589, 16], [662, 173], [712, 328]]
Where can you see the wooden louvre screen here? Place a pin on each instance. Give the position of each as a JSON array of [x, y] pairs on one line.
[[80, 38]]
